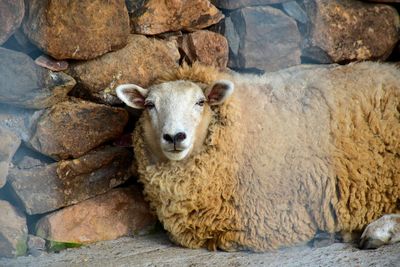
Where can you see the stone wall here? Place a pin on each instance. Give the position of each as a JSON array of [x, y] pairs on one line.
[[65, 156]]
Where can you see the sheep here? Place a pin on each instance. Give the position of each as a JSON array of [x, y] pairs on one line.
[[242, 162]]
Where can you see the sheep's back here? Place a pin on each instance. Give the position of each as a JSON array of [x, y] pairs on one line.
[[322, 150]]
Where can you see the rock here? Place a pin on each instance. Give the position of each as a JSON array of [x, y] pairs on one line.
[[20, 43], [383, 1], [120, 212], [235, 4], [263, 38], [9, 144], [347, 31], [294, 10], [140, 62], [77, 29], [36, 245], [19, 121], [47, 187], [51, 64], [73, 128], [11, 15], [207, 47], [25, 84], [13, 231], [324, 239], [154, 17]]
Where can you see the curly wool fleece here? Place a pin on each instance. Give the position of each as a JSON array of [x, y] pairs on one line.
[[292, 152]]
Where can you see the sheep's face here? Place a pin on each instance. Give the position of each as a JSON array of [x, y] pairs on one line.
[[177, 114]]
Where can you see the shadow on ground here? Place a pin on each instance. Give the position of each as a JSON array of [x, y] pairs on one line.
[[156, 250]]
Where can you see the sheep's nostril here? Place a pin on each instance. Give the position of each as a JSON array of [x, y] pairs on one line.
[[179, 137], [168, 138]]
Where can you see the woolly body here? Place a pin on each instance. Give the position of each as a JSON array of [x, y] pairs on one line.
[[291, 153]]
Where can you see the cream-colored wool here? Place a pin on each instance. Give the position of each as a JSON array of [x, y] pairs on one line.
[[292, 152]]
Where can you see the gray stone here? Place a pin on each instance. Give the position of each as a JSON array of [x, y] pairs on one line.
[[25, 84], [263, 38], [294, 10], [11, 15], [73, 128], [19, 121], [36, 245], [235, 4], [13, 231], [47, 187], [9, 143]]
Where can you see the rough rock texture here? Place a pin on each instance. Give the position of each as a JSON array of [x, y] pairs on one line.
[[207, 47], [77, 29], [25, 84], [19, 121], [51, 64], [343, 31], [157, 250], [140, 62], [263, 38], [13, 231], [235, 4], [47, 187], [296, 11], [9, 143], [383, 1], [72, 128], [154, 17], [36, 245], [120, 212], [11, 15]]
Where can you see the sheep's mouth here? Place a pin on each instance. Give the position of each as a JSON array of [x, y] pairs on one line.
[[176, 151]]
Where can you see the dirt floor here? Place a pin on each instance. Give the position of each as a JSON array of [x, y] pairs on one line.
[[156, 250]]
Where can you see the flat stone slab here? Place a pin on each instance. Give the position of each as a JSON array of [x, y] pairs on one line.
[[157, 250], [47, 187]]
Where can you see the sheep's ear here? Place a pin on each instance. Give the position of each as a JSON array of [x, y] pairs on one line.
[[132, 95], [219, 92]]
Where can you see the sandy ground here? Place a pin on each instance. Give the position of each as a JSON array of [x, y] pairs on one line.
[[156, 250]]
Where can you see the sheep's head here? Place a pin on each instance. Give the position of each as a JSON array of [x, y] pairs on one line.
[[177, 114]]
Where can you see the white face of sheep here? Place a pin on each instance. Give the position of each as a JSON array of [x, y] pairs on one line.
[[176, 110]]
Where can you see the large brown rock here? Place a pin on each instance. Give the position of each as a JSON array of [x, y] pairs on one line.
[[44, 187], [235, 4], [120, 212], [25, 84], [140, 62], [11, 15], [9, 143], [154, 17], [343, 31], [13, 231], [263, 38], [77, 29], [72, 128], [206, 47]]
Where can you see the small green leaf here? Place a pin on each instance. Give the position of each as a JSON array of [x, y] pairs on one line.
[[55, 246]]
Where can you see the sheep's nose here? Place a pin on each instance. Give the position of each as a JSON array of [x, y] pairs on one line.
[[177, 138]]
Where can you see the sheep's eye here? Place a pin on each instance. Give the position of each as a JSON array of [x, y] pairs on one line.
[[149, 105], [200, 102]]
